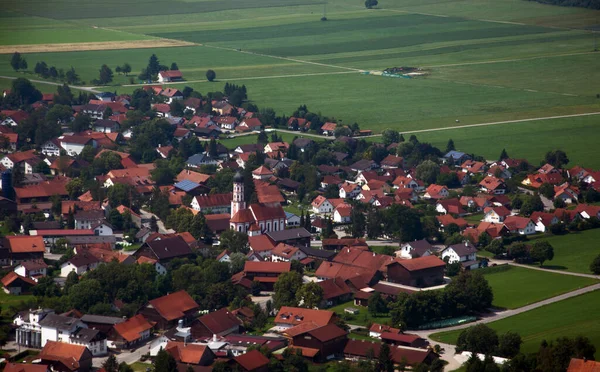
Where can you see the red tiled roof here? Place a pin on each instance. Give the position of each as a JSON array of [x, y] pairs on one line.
[[200, 178], [333, 288], [297, 315], [263, 212], [583, 365], [132, 328], [379, 328], [22, 367], [252, 360], [219, 321], [9, 278], [25, 244], [328, 126], [68, 354], [421, 263], [448, 219], [327, 332], [214, 200], [186, 353], [516, 222], [171, 73], [174, 305], [400, 337], [260, 243], [492, 183], [267, 267]]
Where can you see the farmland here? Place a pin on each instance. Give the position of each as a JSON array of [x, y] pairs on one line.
[[516, 287], [568, 318]]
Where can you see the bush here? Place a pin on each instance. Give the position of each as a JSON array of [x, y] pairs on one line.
[[211, 75]]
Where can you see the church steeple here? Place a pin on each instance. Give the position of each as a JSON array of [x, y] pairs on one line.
[[238, 201]]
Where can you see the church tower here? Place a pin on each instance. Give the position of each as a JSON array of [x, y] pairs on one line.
[[238, 202]]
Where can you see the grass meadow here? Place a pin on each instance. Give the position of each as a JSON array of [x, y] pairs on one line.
[[516, 287], [572, 317]]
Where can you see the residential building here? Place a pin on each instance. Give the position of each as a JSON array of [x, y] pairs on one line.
[[167, 310], [418, 272], [64, 357], [465, 253], [417, 248]]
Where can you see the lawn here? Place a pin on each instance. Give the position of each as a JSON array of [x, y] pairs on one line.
[[572, 317], [474, 218], [232, 143], [362, 318], [516, 287], [574, 252], [140, 366], [6, 300]]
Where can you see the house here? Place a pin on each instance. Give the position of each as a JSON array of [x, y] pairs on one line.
[[190, 355], [320, 205], [31, 269], [167, 310], [377, 329], [64, 357], [289, 317], [68, 330], [456, 157], [266, 273], [361, 350], [169, 76], [328, 128], [495, 214], [79, 264], [566, 193], [520, 225], [15, 284], [252, 361], [543, 220], [164, 250], [588, 211], [12, 118], [403, 339], [492, 185], [363, 165], [11, 160], [434, 191], [450, 206], [251, 124], [286, 253], [580, 365], [221, 323], [262, 173], [303, 144], [197, 160], [74, 144], [321, 344], [418, 248], [342, 213], [212, 204], [291, 220], [392, 162], [172, 94], [335, 291], [106, 126], [22, 367], [349, 190], [447, 219], [465, 253], [24, 248], [276, 147], [418, 272], [181, 133], [472, 167], [297, 236]]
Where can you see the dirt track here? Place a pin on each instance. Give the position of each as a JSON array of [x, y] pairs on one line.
[[102, 45]]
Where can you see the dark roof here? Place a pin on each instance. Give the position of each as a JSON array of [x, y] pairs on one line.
[[296, 233], [319, 253], [362, 164], [80, 260], [463, 249], [58, 321], [238, 178], [303, 142], [252, 360], [219, 321], [327, 332], [169, 247], [89, 318], [420, 246], [46, 225], [85, 335]]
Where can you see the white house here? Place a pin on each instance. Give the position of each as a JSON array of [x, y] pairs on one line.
[[465, 253], [87, 219], [31, 269], [102, 228], [495, 214], [51, 148], [80, 264], [349, 190], [342, 214], [292, 220], [74, 145], [520, 225], [286, 253], [36, 328], [543, 220], [224, 256], [321, 205], [418, 248]]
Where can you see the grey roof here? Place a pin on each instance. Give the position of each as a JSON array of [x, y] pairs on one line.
[[186, 185], [143, 231], [46, 225], [463, 249], [289, 215], [297, 233], [197, 159], [100, 319], [419, 246], [469, 263], [101, 95], [58, 322], [169, 248], [319, 253], [362, 164], [84, 334], [303, 142], [80, 260], [454, 154], [106, 123], [89, 215]]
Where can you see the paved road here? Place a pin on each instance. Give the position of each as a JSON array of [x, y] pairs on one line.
[[553, 271], [88, 89], [548, 204]]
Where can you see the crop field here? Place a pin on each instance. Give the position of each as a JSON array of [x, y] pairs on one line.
[[485, 60], [570, 318], [517, 287], [574, 252]]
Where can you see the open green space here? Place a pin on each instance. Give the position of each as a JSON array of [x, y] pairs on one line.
[[516, 287], [575, 251], [572, 317], [362, 318], [232, 143], [6, 300]]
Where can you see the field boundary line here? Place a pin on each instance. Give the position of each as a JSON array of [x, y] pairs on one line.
[[504, 87], [87, 89], [510, 60]]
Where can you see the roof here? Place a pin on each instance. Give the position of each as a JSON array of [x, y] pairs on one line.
[[185, 352], [25, 244], [297, 315], [463, 249], [516, 222], [193, 176], [252, 360], [100, 319], [379, 328], [263, 212], [22, 367], [492, 183], [267, 267], [267, 193], [60, 322], [42, 190], [33, 265], [329, 126], [262, 171], [333, 288], [419, 246], [288, 234], [80, 260], [68, 354], [580, 365], [173, 306], [171, 73], [219, 321], [421, 263], [327, 332], [399, 337], [260, 243], [132, 328], [186, 185], [169, 247], [362, 348], [11, 277]]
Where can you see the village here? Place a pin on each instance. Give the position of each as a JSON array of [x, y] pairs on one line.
[[176, 227]]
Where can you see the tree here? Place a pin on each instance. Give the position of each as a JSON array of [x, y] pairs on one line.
[[310, 295], [85, 294], [72, 76], [234, 241], [24, 92], [81, 123], [477, 339], [427, 171], [390, 136], [111, 364], [503, 155], [509, 344], [556, 158], [369, 4], [153, 66], [450, 145], [237, 261], [328, 232], [211, 75], [595, 265], [17, 62], [542, 251], [547, 190], [74, 188], [533, 203], [106, 75], [126, 68], [285, 289], [384, 359], [376, 305], [164, 362], [359, 223], [174, 66]]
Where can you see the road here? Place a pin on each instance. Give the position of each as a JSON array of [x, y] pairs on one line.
[[88, 89], [548, 204]]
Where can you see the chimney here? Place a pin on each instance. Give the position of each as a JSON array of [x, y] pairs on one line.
[[214, 338], [466, 243]]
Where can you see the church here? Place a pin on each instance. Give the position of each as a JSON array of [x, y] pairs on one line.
[[258, 218]]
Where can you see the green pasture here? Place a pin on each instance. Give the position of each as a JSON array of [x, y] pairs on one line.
[[516, 287], [363, 318], [575, 251], [577, 136], [572, 317]]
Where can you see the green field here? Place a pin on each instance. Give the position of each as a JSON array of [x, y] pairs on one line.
[[7, 300], [516, 287], [362, 318], [574, 252], [570, 318]]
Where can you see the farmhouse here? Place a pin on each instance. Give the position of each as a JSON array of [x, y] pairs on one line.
[[169, 76], [418, 272]]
